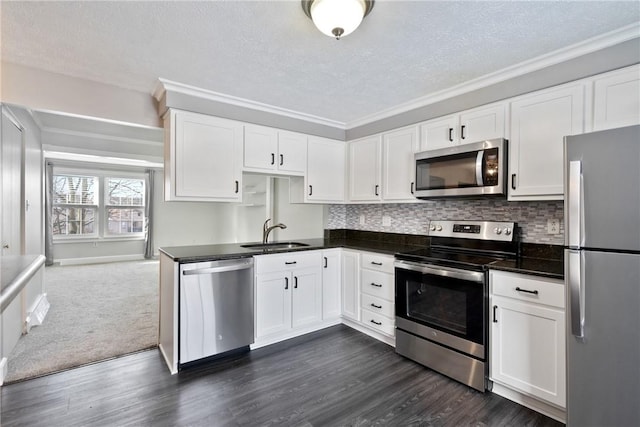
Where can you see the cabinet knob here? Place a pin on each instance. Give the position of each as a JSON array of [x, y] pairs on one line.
[[5, 246]]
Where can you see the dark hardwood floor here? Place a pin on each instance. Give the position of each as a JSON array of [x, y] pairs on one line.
[[334, 377]]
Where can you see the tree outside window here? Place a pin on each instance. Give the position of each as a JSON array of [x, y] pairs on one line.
[[74, 205], [79, 201]]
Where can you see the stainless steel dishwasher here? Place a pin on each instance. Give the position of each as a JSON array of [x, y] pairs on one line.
[[216, 307]]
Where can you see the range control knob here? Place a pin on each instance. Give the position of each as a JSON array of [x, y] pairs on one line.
[[439, 228], [497, 230], [432, 228], [507, 231]]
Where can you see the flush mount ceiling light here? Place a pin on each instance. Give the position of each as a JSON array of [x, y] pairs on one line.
[[337, 18]]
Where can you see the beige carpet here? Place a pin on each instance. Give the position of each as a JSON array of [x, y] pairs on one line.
[[97, 312]]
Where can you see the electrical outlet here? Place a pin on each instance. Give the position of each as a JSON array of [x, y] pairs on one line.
[[553, 226], [386, 221], [363, 220]]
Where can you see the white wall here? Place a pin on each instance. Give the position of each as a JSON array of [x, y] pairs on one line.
[[303, 221], [44, 90]]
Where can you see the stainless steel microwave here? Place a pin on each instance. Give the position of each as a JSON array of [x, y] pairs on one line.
[[469, 170]]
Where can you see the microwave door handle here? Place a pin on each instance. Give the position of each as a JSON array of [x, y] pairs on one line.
[[479, 164]]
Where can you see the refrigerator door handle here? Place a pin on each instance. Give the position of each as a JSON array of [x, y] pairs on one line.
[[574, 214], [575, 275]]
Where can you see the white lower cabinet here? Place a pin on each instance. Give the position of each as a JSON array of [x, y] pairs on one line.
[[527, 340], [289, 295], [331, 280], [350, 285], [377, 289]]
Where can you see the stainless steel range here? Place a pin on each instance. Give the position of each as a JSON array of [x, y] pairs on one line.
[[442, 297]]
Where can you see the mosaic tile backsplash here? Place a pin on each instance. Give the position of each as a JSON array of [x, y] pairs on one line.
[[413, 218]]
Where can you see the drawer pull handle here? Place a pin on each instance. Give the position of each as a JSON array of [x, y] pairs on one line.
[[451, 134], [290, 262], [376, 323], [495, 319], [295, 282], [376, 263], [286, 283], [281, 159], [325, 262], [527, 291], [273, 158], [377, 285], [375, 306]]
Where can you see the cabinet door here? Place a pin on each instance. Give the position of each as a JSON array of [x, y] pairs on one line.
[[528, 348], [365, 169], [398, 164], [350, 285], [292, 153], [306, 297], [260, 148], [208, 158], [439, 133], [616, 99], [325, 170], [482, 123], [331, 283], [539, 123], [273, 303]]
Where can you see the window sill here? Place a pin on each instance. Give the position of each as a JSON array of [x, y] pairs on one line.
[[96, 239]]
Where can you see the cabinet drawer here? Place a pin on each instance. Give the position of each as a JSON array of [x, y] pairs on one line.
[[377, 284], [378, 262], [376, 321], [378, 305], [286, 262], [540, 290]]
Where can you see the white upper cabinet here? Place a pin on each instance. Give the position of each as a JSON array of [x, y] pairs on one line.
[[365, 169], [270, 150], [539, 122], [439, 133], [203, 158], [398, 148], [616, 99], [381, 166], [486, 122], [325, 170]]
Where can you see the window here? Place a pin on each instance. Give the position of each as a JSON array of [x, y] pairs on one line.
[[74, 205], [124, 203], [109, 205]]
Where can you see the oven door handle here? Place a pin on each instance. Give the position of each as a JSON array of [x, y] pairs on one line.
[[454, 273]]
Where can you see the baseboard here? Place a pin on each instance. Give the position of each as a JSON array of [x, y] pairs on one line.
[[99, 259], [265, 341], [367, 331], [3, 370], [530, 402], [36, 316]]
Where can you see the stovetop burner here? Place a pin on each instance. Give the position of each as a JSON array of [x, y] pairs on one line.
[[466, 244]]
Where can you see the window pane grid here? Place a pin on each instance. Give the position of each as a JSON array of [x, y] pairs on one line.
[[76, 206]]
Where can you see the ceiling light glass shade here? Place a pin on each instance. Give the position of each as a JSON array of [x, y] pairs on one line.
[[337, 18]]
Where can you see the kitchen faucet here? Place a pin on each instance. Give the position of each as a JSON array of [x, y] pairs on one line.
[[266, 229]]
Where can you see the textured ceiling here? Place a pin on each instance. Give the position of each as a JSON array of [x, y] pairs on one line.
[[270, 52]]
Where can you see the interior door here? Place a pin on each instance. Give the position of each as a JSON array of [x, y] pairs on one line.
[[11, 185]]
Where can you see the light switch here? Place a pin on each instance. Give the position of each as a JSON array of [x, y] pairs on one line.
[[386, 221], [362, 219]]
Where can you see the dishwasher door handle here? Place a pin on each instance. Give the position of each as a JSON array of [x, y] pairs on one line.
[[222, 269]]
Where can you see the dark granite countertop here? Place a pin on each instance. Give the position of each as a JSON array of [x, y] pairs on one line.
[[15, 273], [535, 266], [539, 260], [186, 254]]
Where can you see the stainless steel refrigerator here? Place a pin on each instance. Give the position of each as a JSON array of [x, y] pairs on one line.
[[602, 277]]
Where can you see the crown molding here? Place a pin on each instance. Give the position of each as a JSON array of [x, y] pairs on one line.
[[584, 47], [165, 86], [106, 137]]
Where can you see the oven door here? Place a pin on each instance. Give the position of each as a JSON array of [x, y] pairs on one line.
[[442, 304]]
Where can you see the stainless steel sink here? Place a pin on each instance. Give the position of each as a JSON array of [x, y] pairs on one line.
[[274, 245]]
